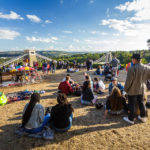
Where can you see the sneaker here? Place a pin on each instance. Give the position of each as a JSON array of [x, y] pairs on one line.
[[127, 120], [143, 119]]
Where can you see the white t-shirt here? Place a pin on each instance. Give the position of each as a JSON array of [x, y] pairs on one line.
[[101, 85]]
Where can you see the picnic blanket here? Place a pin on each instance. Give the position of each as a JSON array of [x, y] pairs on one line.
[[22, 95]]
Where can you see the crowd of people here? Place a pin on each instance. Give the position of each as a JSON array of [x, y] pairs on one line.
[[120, 99]]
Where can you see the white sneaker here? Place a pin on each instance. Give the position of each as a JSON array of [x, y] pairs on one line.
[[143, 119], [127, 120]]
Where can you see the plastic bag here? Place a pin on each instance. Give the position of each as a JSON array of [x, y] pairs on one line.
[[3, 99], [48, 133]]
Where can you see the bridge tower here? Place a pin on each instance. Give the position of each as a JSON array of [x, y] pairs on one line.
[[32, 56], [108, 57]]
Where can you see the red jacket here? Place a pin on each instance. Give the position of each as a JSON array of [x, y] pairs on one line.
[[65, 87]]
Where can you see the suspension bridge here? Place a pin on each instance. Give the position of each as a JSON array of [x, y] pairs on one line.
[[30, 54]]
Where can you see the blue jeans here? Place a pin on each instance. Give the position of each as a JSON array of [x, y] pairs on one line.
[[36, 130], [63, 129], [53, 69]]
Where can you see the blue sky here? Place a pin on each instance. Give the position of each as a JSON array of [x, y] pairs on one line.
[[74, 25]]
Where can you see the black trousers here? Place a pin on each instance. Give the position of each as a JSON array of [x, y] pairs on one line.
[[132, 100]]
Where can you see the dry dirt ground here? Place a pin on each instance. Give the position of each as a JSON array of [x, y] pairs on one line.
[[90, 131]]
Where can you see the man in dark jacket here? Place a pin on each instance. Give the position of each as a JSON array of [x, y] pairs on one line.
[[135, 86], [88, 64]]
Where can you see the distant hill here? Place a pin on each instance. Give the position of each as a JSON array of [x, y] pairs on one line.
[[45, 53], [57, 53]]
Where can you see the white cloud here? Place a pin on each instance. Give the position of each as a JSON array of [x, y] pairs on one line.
[[67, 32], [8, 34], [124, 26], [91, 1], [34, 18], [11, 16], [131, 34], [43, 40], [48, 21], [140, 7], [98, 32], [101, 42]]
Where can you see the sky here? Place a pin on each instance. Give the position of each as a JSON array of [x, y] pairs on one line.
[[74, 25]]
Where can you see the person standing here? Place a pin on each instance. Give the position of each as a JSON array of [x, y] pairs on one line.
[[88, 65], [115, 63], [136, 78], [54, 65]]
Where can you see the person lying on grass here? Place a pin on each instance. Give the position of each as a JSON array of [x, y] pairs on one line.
[[98, 86], [61, 114], [87, 97], [34, 120], [116, 103]]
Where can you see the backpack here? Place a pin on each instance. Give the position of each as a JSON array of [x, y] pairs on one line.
[[3, 98]]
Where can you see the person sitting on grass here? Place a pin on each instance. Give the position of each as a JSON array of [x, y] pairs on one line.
[[65, 87], [70, 80], [116, 103], [87, 97], [117, 84], [34, 120], [98, 71], [70, 69], [99, 86], [61, 114], [88, 78]]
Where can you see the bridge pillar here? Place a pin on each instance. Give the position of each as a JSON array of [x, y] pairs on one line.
[[108, 57], [32, 56]]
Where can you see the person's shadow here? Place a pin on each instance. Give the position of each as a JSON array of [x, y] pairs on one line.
[[10, 141], [90, 121]]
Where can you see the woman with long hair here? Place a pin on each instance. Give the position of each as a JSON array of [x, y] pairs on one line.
[[33, 119], [87, 97], [61, 114], [88, 78], [115, 103]]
